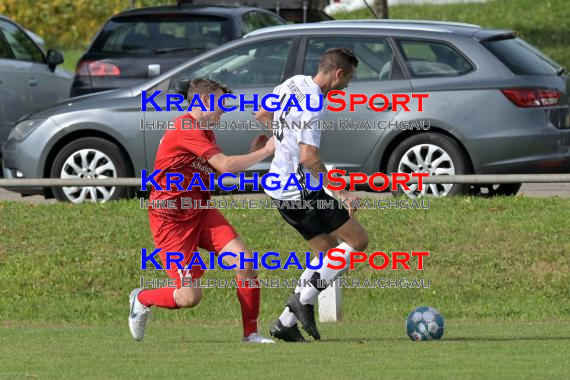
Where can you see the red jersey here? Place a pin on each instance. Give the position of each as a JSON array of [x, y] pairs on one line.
[[185, 151]]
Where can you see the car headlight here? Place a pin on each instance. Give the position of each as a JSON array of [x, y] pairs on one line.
[[24, 128]]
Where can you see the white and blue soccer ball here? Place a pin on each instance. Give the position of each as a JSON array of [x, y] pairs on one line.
[[425, 323]]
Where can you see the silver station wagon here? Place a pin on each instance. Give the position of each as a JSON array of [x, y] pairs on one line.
[[496, 105]]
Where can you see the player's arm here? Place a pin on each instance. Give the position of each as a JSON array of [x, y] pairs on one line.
[[311, 160], [233, 164], [265, 116]]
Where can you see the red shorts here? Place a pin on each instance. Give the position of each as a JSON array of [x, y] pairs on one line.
[[206, 229]]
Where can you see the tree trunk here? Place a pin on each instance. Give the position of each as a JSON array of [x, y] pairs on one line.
[[381, 8]]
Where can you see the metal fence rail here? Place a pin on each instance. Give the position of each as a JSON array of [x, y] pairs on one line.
[[447, 179]]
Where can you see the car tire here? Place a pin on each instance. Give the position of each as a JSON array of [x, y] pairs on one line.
[[500, 189], [89, 157], [417, 154]]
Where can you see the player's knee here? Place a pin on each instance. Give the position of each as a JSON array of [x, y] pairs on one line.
[[187, 299], [247, 271], [360, 240], [364, 240]]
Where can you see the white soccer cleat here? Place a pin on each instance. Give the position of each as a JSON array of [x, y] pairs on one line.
[[257, 338], [138, 315]]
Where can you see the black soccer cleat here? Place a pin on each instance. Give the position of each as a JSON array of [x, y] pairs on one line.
[[288, 334], [305, 314]]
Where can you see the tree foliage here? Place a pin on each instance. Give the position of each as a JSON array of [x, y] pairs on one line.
[[67, 24]]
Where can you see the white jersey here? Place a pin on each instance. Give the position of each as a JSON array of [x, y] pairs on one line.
[[295, 127]]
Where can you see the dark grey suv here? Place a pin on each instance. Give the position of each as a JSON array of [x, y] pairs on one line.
[[496, 105], [139, 44]]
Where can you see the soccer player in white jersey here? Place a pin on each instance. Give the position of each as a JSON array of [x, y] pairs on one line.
[[297, 151]]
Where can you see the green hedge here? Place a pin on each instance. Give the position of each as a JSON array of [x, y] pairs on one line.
[[67, 24]]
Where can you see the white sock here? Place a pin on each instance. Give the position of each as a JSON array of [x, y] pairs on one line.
[[309, 294], [287, 318], [308, 273]]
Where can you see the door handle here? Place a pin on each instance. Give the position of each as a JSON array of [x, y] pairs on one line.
[[380, 105], [153, 70], [32, 82]]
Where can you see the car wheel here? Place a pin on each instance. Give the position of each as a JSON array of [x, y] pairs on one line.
[[431, 153], [89, 157], [501, 189]]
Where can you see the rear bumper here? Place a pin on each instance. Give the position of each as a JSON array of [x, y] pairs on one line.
[[544, 153], [504, 139]]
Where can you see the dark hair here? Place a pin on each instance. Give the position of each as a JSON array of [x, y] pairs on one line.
[[337, 58], [205, 86]]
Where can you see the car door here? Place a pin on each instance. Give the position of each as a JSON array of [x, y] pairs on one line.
[[14, 75], [346, 140], [249, 69], [44, 86]]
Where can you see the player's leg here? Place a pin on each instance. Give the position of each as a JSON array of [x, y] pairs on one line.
[[285, 327], [171, 237], [354, 238], [353, 234], [334, 223], [314, 225], [187, 296], [219, 236]]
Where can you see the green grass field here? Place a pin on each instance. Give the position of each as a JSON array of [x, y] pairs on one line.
[[499, 272], [480, 349]]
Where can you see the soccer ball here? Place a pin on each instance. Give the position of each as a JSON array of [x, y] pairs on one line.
[[425, 323]]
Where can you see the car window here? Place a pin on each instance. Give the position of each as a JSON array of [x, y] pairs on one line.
[[270, 19], [252, 21], [21, 45], [5, 51], [375, 56], [521, 57], [156, 36], [254, 65], [428, 58]]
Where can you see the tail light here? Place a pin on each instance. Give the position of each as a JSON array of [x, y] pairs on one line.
[[97, 69], [529, 97]]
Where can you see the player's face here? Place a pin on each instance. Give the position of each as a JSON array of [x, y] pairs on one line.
[[342, 79]]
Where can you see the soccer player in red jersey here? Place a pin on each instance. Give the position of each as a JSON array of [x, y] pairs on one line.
[[189, 149]]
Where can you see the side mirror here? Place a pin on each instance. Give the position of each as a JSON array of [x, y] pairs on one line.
[[54, 58]]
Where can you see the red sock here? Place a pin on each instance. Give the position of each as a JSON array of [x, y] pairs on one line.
[[249, 296], [161, 297]]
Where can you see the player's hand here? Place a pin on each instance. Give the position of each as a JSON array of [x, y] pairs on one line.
[[270, 145], [259, 142], [348, 199]]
